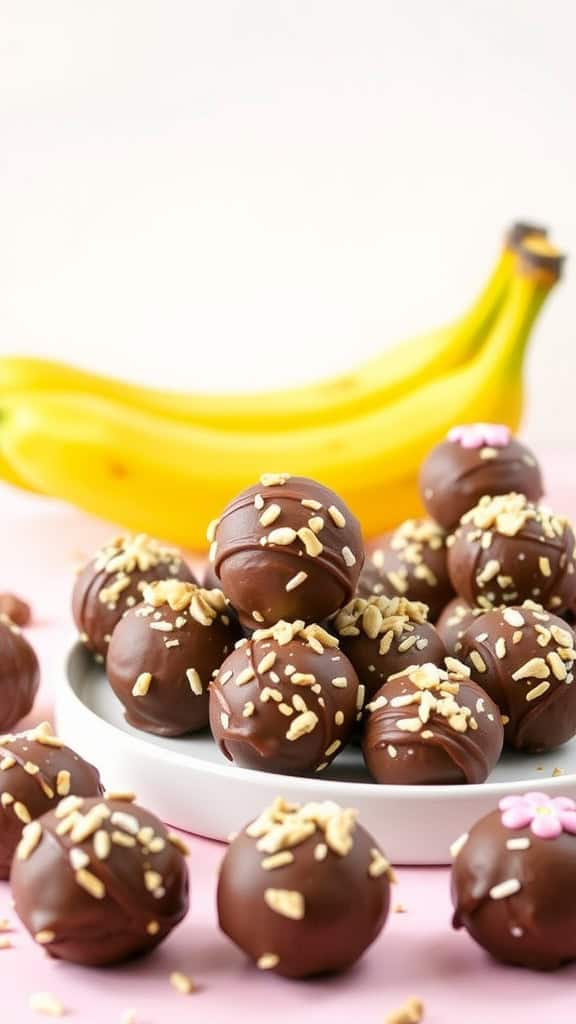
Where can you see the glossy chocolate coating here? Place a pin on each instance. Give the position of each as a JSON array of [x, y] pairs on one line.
[[446, 749], [112, 582], [507, 551], [295, 723], [260, 566], [132, 899], [179, 635], [538, 648], [382, 636], [36, 771], [19, 674], [335, 887], [535, 926], [411, 562], [210, 580], [453, 478], [454, 622]]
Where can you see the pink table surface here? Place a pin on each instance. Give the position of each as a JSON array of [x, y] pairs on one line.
[[417, 954]]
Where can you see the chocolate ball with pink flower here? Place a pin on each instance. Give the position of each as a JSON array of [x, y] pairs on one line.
[[514, 881], [524, 658], [474, 460]]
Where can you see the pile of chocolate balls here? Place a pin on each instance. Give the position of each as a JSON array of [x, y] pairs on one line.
[[452, 638], [449, 639]]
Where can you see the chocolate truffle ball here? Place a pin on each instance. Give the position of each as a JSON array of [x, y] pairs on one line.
[[514, 881], [287, 548], [304, 890], [507, 551], [19, 674], [285, 701], [163, 654], [430, 726], [36, 771], [411, 562], [98, 881], [112, 582], [454, 622], [524, 658], [475, 460], [385, 635]]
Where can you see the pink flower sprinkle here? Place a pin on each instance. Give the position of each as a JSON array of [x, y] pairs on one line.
[[547, 816], [477, 435]]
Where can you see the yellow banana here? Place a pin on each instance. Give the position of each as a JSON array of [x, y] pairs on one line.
[[371, 385], [9, 475], [170, 479]]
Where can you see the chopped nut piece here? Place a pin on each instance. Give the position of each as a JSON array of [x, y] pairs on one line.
[[283, 536], [296, 581], [195, 682], [46, 1003], [301, 725], [183, 983], [312, 545], [270, 515], [268, 961], [31, 836], [278, 860], [378, 864], [505, 889], [537, 691], [285, 902], [348, 556], [63, 783], [91, 884], [142, 684], [411, 1012]]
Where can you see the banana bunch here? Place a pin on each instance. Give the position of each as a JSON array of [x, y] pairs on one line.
[[167, 463]]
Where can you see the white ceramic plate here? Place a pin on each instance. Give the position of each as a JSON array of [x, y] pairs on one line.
[[191, 785]]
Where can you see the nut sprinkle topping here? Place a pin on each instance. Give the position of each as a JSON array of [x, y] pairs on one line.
[[127, 554], [202, 605], [508, 514], [284, 826], [284, 632], [377, 615]]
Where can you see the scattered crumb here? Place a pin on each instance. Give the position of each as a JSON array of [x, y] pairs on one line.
[[556, 772], [15, 608], [128, 1017], [5, 942], [412, 1012], [182, 982], [5, 925], [539, 767], [399, 908], [45, 1002]]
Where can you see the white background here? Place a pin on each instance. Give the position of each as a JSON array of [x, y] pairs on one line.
[[211, 193]]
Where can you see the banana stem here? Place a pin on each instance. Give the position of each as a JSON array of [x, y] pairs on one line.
[[483, 313], [504, 355], [478, 320]]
